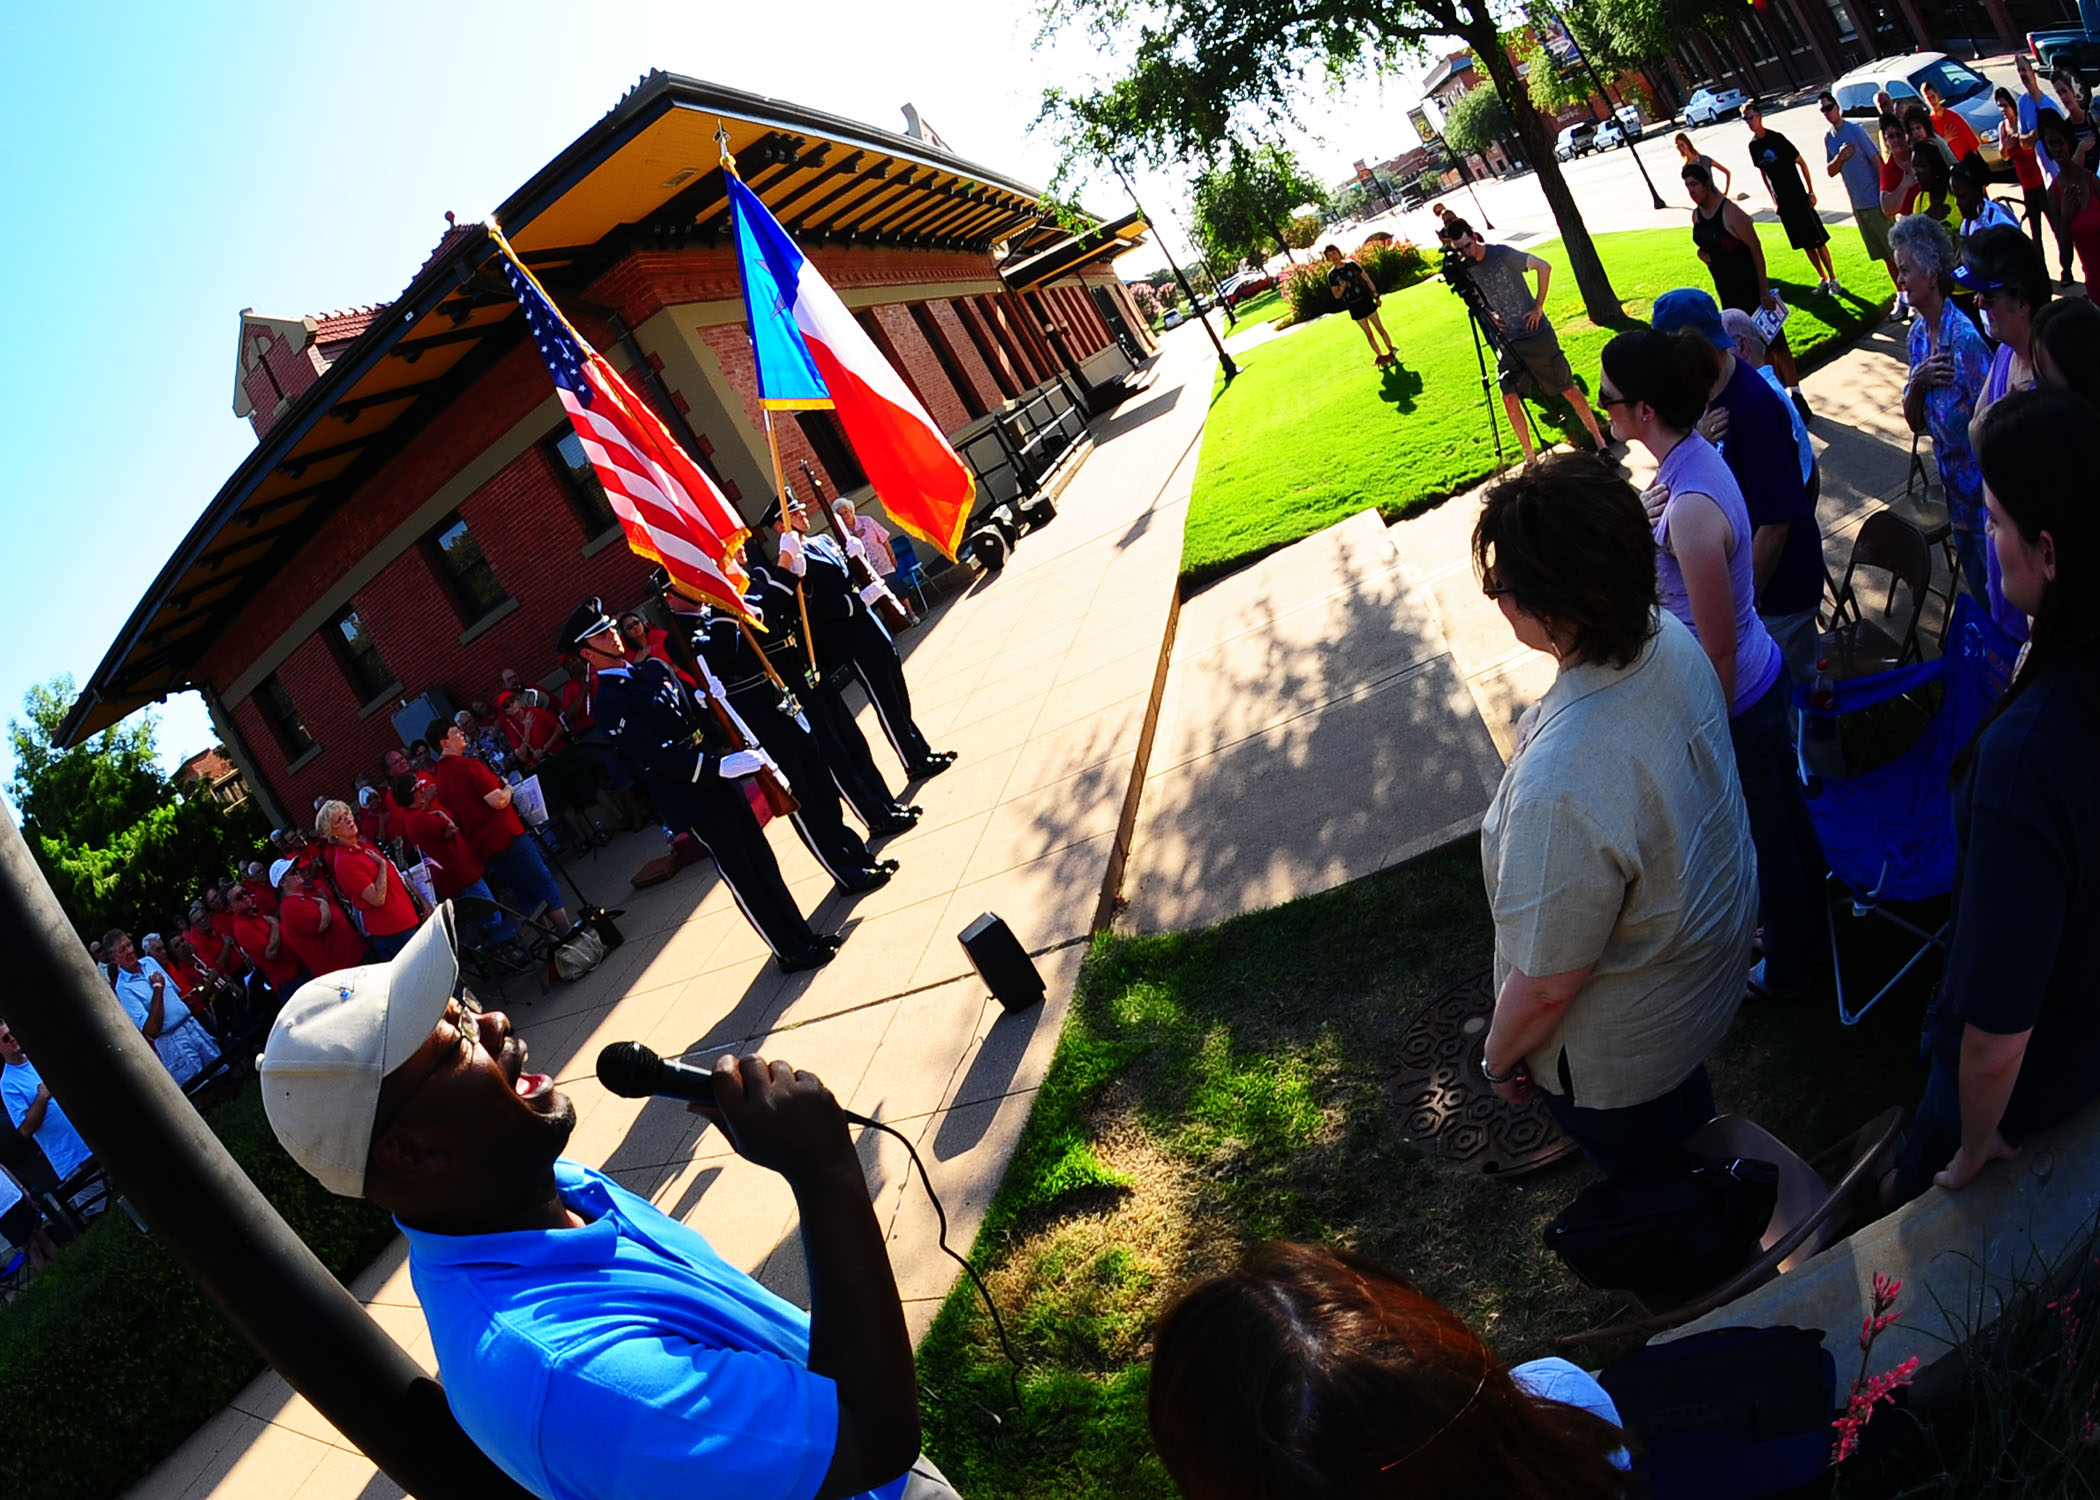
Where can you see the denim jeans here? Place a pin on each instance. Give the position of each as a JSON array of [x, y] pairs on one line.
[[1789, 857], [1616, 1139], [390, 944], [1935, 1128], [499, 928], [520, 866]]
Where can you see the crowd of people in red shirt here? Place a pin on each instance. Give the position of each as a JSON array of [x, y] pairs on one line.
[[438, 820]]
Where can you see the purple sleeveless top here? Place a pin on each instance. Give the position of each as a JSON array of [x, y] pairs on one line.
[[1694, 466]]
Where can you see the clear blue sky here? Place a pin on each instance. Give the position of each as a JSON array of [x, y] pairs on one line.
[[163, 167]]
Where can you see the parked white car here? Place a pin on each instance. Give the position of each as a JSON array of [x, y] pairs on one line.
[[1629, 121], [1961, 89], [1610, 134], [1173, 319], [1706, 106]]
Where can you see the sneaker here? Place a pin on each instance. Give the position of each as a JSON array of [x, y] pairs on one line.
[[1835, 289]]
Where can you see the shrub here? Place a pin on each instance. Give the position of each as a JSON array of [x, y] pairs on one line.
[[1392, 264], [113, 1356]]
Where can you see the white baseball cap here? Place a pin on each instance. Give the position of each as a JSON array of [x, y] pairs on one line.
[[279, 870], [338, 1038]]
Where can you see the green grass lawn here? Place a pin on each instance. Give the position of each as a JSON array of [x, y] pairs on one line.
[[1310, 433], [1263, 307], [1220, 1087]]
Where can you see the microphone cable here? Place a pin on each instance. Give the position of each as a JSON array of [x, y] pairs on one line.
[[1013, 1360]]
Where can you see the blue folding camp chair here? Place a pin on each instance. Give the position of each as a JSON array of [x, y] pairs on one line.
[[909, 574], [1888, 834]]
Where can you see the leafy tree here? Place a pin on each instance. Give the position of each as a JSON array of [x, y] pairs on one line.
[[118, 840], [1552, 87], [1300, 233], [1192, 75], [1477, 120], [1247, 200]]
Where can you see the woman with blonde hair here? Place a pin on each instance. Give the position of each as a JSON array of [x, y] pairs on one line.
[[384, 903]]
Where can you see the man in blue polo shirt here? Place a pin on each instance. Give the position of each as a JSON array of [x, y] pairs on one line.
[[593, 1347]]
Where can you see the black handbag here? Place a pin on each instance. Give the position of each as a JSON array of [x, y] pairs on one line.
[[1669, 1229]]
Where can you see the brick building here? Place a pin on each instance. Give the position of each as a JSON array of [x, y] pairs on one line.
[[417, 515]]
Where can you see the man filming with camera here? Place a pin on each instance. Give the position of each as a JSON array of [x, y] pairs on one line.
[[593, 1347], [1528, 360]]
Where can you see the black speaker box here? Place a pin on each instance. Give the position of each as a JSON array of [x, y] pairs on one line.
[[1001, 962]]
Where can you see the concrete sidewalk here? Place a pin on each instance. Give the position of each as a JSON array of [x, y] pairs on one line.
[[1041, 677]]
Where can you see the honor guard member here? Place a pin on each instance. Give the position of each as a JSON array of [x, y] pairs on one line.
[[729, 664], [848, 634], [822, 699], [691, 772]]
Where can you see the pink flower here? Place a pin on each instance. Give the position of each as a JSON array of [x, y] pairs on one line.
[[1869, 1391]]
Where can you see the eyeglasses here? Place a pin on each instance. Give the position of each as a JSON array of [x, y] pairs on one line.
[[1608, 401], [462, 1012], [1491, 584]]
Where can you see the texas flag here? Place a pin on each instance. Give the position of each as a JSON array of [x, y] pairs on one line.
[[811, 353]]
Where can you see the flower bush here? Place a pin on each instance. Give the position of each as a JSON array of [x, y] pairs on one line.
[[1392, 264]]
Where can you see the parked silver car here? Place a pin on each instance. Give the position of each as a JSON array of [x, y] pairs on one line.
[[1961, 89]]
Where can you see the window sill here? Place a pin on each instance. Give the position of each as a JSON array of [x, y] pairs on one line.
[[388, 696], [602, 540], [303, 759], [489, 621]]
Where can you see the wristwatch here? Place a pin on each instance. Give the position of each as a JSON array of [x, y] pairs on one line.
[[1500, 1078]]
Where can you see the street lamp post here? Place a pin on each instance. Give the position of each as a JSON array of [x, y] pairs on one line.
[[1224, 360], [1598, 84]]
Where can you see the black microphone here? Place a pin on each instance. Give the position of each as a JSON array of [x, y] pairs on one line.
[[633, 1071]]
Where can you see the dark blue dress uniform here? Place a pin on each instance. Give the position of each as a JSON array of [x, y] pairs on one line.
[[820, 820], [839, 740], [850, 637], [677, 747]]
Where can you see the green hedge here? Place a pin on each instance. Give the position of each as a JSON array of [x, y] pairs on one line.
[[113, 1357]]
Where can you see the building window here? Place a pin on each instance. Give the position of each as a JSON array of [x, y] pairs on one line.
[[581, 481], [466, 573], [827, 440], [358, 656], [1781, 21], [950, 365], [1761, 48], [1846, 31], [282, 715]]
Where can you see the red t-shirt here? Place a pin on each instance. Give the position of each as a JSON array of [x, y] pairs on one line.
[[340, 947], [462, 782], [662, 652], [537, 735], [187, 980], [207, 945], [453, 865], [575, 710], [231, 961], [2026, 170], [1958, 133], [264, 898], [253, 934], [354, 869]]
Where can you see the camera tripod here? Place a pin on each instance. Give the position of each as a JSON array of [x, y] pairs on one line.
[[1458, 277]]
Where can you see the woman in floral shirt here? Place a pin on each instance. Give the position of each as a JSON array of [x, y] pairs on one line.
[[1948, 366]]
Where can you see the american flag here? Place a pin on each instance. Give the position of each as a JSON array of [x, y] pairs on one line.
[[671, 511]]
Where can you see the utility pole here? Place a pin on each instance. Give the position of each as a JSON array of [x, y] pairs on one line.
[[1598, 84]]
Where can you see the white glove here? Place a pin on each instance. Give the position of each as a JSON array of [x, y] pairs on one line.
[[791, 558], [741, 763], [873, 592], [854, 547]]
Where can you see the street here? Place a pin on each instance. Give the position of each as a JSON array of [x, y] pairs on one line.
[[1608, 186]]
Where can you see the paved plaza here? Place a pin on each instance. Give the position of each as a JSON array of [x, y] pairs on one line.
[[1339, 707]]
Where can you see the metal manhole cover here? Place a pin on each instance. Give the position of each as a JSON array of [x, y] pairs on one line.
[[1447, 1109]]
